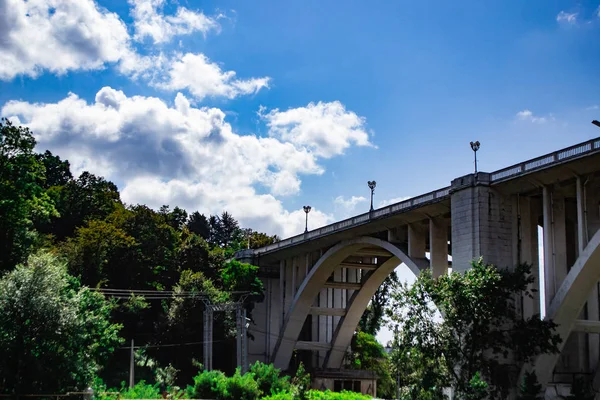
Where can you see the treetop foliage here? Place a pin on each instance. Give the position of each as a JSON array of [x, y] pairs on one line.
[[464, 330]]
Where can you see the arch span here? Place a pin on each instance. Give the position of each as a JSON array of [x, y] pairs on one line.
[[568, 303], [315, 281]]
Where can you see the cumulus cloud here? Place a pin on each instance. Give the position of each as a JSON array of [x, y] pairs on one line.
[[327, 129], [202, 78], [394, 200], [58, 36], [347, 206], [148, 21], [566, 18], [527, 115], [180, 155]]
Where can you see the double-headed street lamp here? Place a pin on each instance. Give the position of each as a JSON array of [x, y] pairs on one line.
[[475, 146], [372, 185], [306, 210]]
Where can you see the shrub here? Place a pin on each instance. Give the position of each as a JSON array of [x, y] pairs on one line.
[[240, 387], [208, 385], [269, 379], [141, 390], [318, 395]]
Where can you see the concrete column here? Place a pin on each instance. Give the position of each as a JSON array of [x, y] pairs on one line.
[[555, 242], [289, 283], [592, 303], [294, 276], [438, 246], [481, 223], [282, 291], [549, 281], [526, 238], [416, 241], [337, 296]]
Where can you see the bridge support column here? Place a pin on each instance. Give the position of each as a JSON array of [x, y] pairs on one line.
[[555, 243], [438, 246], [416, 241], [525, 244], [592, 303], [481, 223]]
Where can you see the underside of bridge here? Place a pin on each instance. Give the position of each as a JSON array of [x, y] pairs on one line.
[[545, 212]]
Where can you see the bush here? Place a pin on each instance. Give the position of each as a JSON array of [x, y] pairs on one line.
[[318, 395], [269, 379], [141, 390], [240, 387], [208, 385]]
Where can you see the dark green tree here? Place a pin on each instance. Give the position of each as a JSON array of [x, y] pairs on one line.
[[54, 335], [58, 172], [23, 201], [530, 388], [481, 331], [366, 353], [199, 225], [86, 198]]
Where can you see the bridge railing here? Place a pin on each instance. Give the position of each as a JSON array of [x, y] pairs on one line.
[[591, 146], [361, 219]]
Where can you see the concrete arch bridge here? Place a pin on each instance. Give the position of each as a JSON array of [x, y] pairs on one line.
[[318, 284]]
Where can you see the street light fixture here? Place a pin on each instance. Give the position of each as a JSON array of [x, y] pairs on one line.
[[597, 123], [372, 185], [475, 146], [306, 210]]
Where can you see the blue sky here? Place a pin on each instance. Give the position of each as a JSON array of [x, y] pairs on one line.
[[261, 107]]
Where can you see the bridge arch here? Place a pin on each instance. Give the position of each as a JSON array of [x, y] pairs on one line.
[[567, 304], [316, 280]]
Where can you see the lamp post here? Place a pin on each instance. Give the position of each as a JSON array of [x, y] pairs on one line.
[[597, 123], [306, 210], [372, 185], [475, 146]]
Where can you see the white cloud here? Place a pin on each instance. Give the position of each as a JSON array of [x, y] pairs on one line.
[[178, 155], [149, 22], [58, 36], [196, 73], [592, 107], [395, 200], [527, 115], [346, 207], [566, 18], [598, 12], [327, 129]]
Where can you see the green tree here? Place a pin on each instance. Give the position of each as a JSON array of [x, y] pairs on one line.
[[199, 225], [54, 335], [366, 353], [83, 199], [58, 172], [481, 331], [23, 201], [530, 388]]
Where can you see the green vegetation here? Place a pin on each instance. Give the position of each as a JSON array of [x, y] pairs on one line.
[[476, 344], [60, 235]]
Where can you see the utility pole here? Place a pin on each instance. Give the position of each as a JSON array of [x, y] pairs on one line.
[[131, 366]]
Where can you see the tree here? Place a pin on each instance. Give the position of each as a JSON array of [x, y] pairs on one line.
[[199, 225], [530, 388], [374, 316], [23, 201], [54, 335], [81, 200], [58, 172], [481, 337], [366, 353]]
